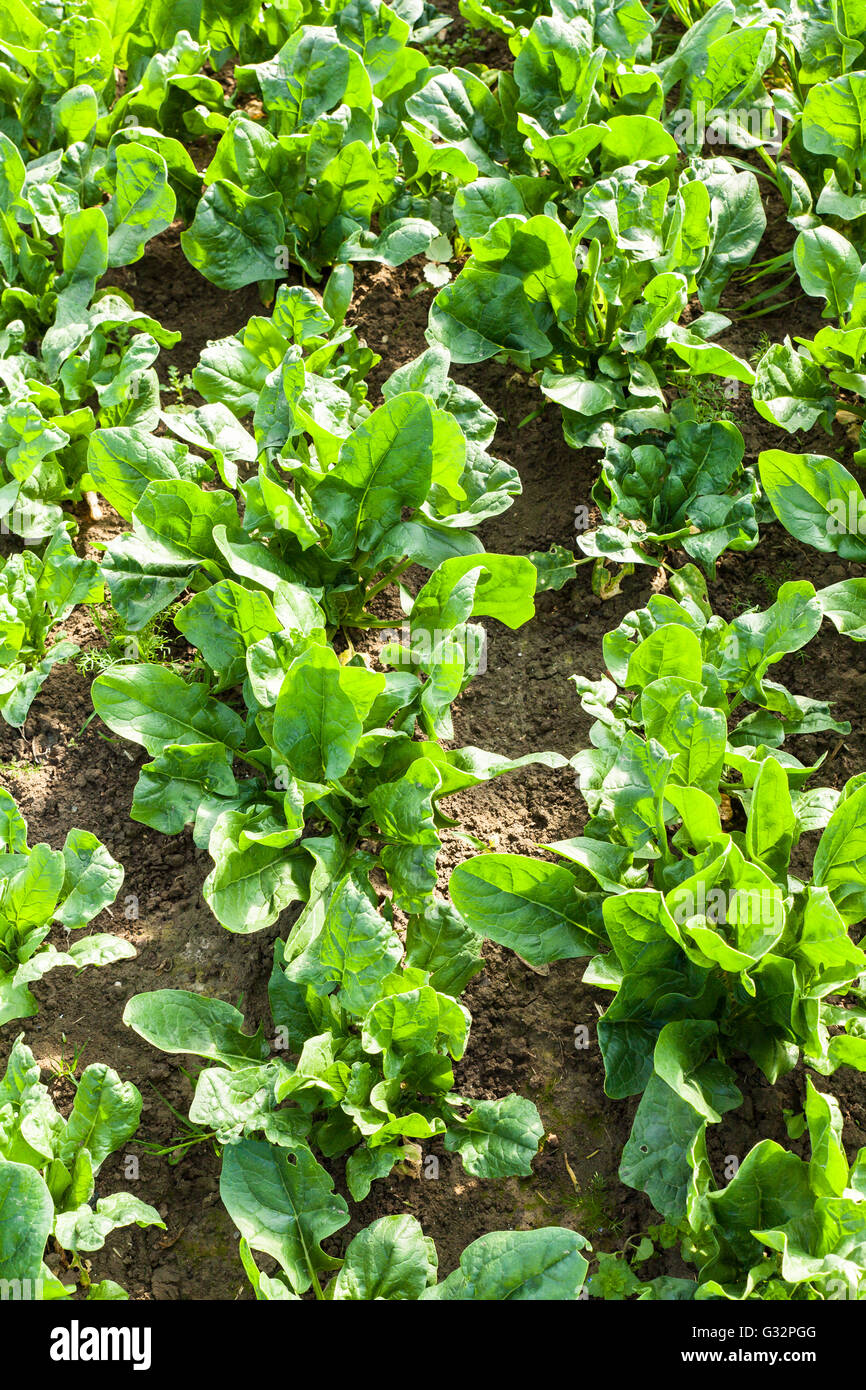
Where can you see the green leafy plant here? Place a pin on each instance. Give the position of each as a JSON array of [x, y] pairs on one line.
[[37, 593], [39, 886], [595, 310], [393, 1259], [782, 1228], [307, 183], [330, 742], [709, 942], [373, 1077], [86, 356], [688, 489], [343, 500], [48, 1169]]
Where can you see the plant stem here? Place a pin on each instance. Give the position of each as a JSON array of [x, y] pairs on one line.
[[390, 578]]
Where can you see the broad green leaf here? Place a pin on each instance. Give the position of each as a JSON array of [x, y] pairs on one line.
[[672, 650], [283, 1203], [530, 906], [105, 1114], [683, 1058], [170, 789], [655, 1157], [845, 605], [770, 1188], [235, 238], [504, 589], [498, 1138], [828, 1167], [541, 1265], [355, 950], [27, 1213], [408, 1025], [122, 461], [828, 267], [91, 879], [252, 881], [230, 1101], [174, 1020], [385, 464], [85, 259], [86, 1227], [154, 707], [440, 942], [840, 859], [187, 519], [391, 1259], [142, 203], [834, 119], [791, 391], [771, 825], [319, 714], [29, 894], [223, 621], [13, 827]]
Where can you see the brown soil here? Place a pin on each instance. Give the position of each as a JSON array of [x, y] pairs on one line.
[[68, 771], [474, 46], [164, 284]]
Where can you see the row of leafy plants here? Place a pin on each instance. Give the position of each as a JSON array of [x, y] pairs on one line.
[[318, 779], [710, 943], [609, 287], [721, 937], [327, 788], [578, 182]]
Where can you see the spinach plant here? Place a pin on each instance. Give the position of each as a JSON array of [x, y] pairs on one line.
[[709, 939], [782, 1229], [330, 743], [48, 1170], [393, 1259], [595, 309], [372, 1079], [36, 594], [344, 500], [39, 886], [688, 488]]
